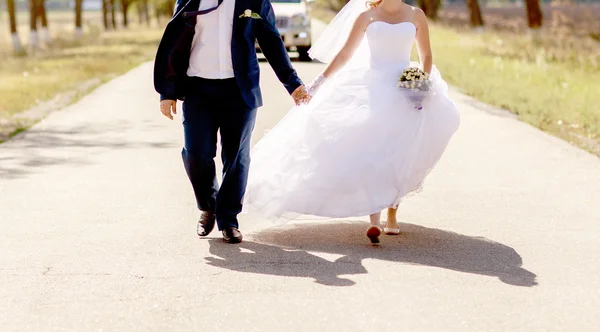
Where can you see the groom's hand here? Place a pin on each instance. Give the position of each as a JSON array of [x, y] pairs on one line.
[[166, 106], [301, 96]]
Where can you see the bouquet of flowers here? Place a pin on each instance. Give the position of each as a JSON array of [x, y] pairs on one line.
[[416, 84]]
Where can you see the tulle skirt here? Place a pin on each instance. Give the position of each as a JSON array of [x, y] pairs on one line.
[[358, 147]]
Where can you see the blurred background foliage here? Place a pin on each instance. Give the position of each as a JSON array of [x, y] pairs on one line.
[[538, 59]]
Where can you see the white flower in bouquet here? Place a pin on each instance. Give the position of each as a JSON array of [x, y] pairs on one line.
[[416, 78], [415, 83]]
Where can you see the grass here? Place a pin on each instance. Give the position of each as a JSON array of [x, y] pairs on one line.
[[67, 66], [553, 87], [551, 81]]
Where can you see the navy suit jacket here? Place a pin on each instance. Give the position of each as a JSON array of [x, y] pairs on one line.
[[173, 55]]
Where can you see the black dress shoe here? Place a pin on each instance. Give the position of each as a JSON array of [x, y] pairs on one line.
[[206, 223], [232, 235]]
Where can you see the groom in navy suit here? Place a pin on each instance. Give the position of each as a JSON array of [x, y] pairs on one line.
[[207, 58]]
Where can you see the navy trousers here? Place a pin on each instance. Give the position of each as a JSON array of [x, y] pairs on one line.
[[211, 107]]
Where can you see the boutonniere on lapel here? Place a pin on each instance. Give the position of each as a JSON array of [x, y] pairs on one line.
[[250, 14]]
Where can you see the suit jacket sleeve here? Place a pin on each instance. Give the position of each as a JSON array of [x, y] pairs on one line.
[[168, 90], [273, 48]]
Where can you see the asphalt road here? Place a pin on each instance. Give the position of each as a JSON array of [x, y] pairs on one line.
[[97, 233]]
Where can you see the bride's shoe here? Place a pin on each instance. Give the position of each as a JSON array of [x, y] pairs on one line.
[[373, 233], [391, 231]]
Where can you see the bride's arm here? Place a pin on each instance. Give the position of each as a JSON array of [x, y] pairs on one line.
[[344, 55], [354, 39], [423, 43]]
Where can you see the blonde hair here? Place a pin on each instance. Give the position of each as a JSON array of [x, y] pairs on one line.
[[373, 3]]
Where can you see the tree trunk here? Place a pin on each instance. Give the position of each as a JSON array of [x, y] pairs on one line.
[[143, 16], [113, 16], [429, 7], [12, 16], [475, 13], [78, 18], [434, 6], [33, 13], [105, 14], [534, 14], [16, 41], [42, 15], [34, 40], [124, 9]]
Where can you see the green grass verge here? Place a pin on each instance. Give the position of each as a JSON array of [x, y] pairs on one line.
[[551, 82], [559, 93]]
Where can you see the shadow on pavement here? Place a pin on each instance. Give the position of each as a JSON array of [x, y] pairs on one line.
[[38, 148], [286, 251]]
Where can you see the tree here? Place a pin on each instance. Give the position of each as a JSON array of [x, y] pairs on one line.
[[108, 7], [34, 13], [16, 41], [37, 12], [44, 20], [475, 13], [113, 14], [429, 7], [78, 18], [163, 8], [125, 10], [143, 12], [534, 14], [105, 14]]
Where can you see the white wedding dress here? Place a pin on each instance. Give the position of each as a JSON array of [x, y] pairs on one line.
[[360, 145]]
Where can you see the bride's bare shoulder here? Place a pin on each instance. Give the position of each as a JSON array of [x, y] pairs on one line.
[[418, 13], [366, 17], [418, 16]]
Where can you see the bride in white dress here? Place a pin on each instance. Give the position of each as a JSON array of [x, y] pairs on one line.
[[360, 145]]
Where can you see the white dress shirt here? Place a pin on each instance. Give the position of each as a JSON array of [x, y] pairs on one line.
[[210, 56]]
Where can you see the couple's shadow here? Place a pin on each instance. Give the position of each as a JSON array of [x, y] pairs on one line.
[[292, 251]]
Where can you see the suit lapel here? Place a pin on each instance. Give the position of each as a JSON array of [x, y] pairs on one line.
[[238, 10], [186, 7]]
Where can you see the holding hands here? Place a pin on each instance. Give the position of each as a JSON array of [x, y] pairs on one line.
[[301, 96], [304, 94]]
